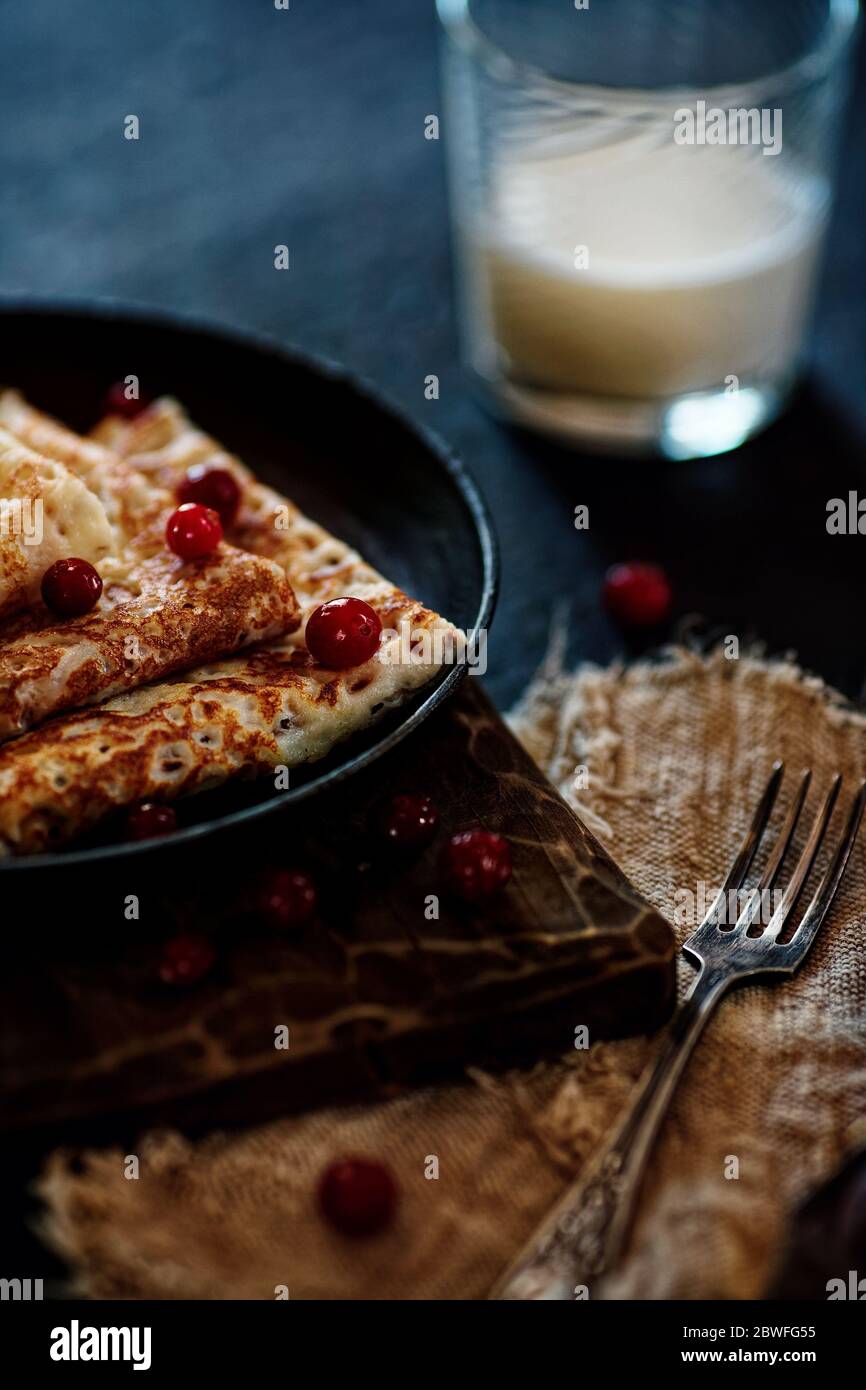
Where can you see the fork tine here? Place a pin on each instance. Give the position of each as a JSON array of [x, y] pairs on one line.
[[826, 890], [805, 862], [752, 838], [777, 857]]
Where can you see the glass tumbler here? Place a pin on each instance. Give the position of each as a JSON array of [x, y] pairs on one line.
[[640, 191]]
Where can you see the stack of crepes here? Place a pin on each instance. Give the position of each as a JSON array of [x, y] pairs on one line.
[[185, 674]]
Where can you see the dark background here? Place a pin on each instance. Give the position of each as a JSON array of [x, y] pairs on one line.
[[306, 127]]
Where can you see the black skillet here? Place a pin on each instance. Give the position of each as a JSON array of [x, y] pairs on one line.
[[316, 433]]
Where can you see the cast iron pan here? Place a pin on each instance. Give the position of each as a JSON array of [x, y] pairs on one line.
[[317, 434]]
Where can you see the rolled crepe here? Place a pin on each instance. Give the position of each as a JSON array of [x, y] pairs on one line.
[[46, 514], [270, 708]]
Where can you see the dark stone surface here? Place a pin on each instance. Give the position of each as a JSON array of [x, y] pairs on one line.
[[305, 127]]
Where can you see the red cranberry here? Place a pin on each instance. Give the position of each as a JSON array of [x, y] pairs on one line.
[[475, 864], [638, 594], [193, 531], [186, 959], [147, 821], [71, 587], [408, 821], [344, 632], [358, 1196], [118, 403], [212, 487], [285, 898]]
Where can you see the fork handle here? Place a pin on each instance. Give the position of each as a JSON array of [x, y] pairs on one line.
[[583, 1236]]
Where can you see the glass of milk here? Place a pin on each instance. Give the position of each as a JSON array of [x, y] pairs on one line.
[[640, 191]]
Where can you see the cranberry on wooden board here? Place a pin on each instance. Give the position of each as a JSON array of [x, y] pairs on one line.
[[285, 898], [212, 487], [638, 594], [117, 402], [407, 821], [193, 531], [358, 1196], [475, 864], [186, 959], [343, 632], [71, 587], [149, 820]]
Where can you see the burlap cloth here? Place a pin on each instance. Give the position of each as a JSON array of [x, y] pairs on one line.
[[676, 754]]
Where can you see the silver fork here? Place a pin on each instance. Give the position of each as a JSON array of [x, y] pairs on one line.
[[582, 1238]]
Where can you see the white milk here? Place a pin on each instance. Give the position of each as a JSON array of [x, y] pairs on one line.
[[700, 267]]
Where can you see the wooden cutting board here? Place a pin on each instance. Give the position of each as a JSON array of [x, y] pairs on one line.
[[377, 992]]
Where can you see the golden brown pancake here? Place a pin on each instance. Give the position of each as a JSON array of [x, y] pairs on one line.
[[183, 613], [243, 717], [271, 708], [157, 614], [133, 504], [46, 514], [163, 444]]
